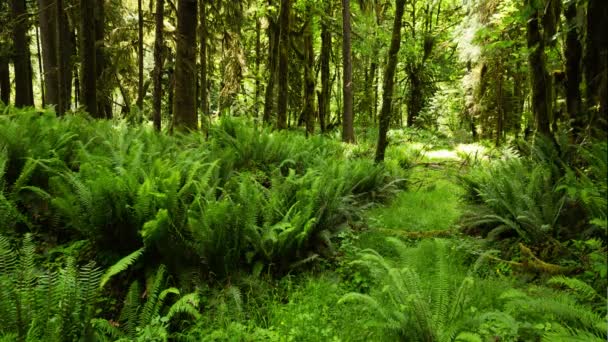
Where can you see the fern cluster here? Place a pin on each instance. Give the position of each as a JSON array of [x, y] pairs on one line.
[[242, 197], [40, 305], [549, 192], [427, 295]]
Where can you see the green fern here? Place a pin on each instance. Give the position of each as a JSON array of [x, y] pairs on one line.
[[120, 266], [29, 302], [404, 307]]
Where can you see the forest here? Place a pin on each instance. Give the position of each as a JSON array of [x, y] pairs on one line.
[[303, 170]]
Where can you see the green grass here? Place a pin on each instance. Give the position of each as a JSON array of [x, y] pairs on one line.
[[425, 207]]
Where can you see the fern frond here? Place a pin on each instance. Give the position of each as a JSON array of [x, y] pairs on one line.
[[581, 289], [187, 304], [120, 266]]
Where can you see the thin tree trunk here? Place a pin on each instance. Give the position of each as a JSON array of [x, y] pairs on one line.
[[258, 59], [283, 64], [348, 133], [273, 56], [24, 91], [63, 77], [203, 57], [88, 71], [541, 101], [573, 52], [389, 82], [500, 111], [39, 56], [140, 55], [325, 61], [309, 78], [369, 88], [158, 63], [185, 116]]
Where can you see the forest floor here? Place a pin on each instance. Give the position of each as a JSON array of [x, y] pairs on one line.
[[305, 307]]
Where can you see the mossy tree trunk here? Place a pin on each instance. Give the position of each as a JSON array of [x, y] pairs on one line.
[[389, 82], [348, 132], [541, 85], [158, 63], [184, 110], [283, 75]]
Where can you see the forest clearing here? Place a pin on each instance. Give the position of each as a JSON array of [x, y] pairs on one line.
[[303, 170]]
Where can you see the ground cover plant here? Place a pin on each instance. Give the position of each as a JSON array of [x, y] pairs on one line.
[[303, 170]]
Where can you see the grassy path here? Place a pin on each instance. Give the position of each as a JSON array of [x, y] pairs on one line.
[[305, 307]]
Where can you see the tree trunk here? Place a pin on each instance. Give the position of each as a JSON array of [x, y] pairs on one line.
[[24, 91], [5, 81], [324, 98], [185, 116], [61, 39], [104, 103], [158, 63], [283, 64], [203, 57], [573, 53], [258, 61], [88, 68], [140, 55], [39, 57], [309, 75], [369, 89], [596, 63], [273, 55], [67, 48], [541, 86], [48, 37], [389, 82], [348, 133]]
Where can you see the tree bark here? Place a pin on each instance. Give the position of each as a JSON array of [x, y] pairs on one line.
[[158, 63], [309, 76], [24, 91], [204, 103], [596, 63], [573, 53], [5, 81], [389, 82], [104, 103], [60, 39], [140, 55], [348, 133], [273, 56], [48, 30], [39, 56], [324, 98], [283, 64], [88, 68], [258, 61], [541, 86], [185, 116]]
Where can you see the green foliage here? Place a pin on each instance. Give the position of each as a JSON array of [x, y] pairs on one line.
[[148, 321], [416, 302], [120, 266], [244, 196], [540, 194], [39, 305]]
